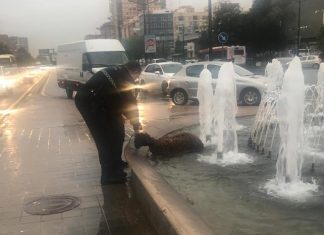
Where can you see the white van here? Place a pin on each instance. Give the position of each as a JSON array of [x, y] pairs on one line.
[[78, 61]]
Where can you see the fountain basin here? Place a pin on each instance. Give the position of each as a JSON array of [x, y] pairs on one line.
[[233, 199]]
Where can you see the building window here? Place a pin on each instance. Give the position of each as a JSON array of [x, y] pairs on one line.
[[181, 18]]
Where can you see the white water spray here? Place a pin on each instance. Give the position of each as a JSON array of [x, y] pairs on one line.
[[204, 95], [222, 118], [225, 110], [290, 113], [291, 124], [274, 75]]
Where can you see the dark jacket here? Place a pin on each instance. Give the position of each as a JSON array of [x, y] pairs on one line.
[[111, 91]]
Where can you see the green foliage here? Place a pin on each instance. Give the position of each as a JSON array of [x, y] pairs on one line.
[[262, 29], [23, 57], [320, 39], [4, 49], [135, 47]]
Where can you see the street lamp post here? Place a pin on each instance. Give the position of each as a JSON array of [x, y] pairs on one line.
[[318, 11], [210, 42], [183, 41], [298, 29]]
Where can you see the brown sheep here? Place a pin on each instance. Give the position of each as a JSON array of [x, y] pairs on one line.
[[170, 146]]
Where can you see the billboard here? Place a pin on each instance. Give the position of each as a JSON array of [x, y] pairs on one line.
[[150, 44]]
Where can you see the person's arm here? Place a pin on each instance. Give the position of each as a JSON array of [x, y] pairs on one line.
[[130, 109]]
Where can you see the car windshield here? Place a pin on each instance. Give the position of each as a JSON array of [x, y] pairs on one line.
[[241, 71], [171, 68], [99, 59]]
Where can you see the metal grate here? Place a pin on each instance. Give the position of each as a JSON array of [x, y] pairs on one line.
[[51, 205]]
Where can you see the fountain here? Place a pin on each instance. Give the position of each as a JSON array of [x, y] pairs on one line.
[[217, 116], [290, 112], [286, 110], [276, 193], [204, 94], [224, 111]]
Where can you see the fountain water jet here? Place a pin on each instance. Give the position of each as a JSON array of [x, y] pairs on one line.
[[204, 94], [225, 110], [290, 114], [220, 115], [291, 124]]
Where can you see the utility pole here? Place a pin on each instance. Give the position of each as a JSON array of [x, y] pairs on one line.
[[210, 40], [183, 42], [298, 29]]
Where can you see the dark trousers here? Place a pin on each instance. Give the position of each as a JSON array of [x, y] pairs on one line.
[[107, 131]]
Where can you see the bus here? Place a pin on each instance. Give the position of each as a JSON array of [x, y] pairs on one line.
[[237, 54], [7, 60]]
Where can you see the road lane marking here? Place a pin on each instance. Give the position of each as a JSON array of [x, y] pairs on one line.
[[15, 104]]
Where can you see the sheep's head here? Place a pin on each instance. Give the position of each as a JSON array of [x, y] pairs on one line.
[[143, 139]]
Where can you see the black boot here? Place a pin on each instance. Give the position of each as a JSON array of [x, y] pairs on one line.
[[113, 176]]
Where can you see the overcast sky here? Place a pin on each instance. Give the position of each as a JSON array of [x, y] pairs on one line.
[[48, 23]]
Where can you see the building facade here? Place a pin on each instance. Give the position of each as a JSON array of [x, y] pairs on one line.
[[160, 24], [125, 15], [14, 43], [107, 30], [186, 20]]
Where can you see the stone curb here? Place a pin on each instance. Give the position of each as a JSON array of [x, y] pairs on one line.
[[167, 211]]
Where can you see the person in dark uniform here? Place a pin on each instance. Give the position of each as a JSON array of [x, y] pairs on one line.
[[104, 102]]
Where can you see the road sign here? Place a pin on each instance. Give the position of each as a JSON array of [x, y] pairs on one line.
[[222, 37], [150, 44]]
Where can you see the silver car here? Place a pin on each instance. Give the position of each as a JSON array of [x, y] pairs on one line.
[[307, 61], [154, 77], [183, 85], [310, 61]]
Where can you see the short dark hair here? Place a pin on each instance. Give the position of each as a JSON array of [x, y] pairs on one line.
[[133, 66]]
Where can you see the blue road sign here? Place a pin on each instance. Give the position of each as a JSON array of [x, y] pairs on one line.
[[222, 37]]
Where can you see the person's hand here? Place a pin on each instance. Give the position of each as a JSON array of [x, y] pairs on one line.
[[137, 128]]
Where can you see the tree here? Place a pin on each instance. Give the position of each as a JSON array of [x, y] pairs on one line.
[[178, 46], [320, 39], [4, 49], [267, 26], [23, 57], [135, 47], [228, 18]]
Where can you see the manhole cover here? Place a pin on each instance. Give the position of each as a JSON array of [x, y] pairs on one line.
[[51, 205]]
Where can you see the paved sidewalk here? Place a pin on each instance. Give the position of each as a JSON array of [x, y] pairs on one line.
[[46, 149]]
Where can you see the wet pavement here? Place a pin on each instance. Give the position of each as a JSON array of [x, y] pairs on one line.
[[47, 150]]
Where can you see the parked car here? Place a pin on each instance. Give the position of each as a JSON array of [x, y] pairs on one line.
[[307, 61], [184, 84], [159, 60], [154, 77], [310, 61]]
